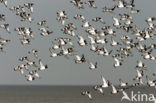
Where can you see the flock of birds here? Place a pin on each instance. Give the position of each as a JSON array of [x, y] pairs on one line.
[[95, 39]]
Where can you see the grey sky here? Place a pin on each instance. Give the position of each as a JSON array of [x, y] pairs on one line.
[[63, 71]]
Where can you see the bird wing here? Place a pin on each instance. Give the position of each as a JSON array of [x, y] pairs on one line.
[[120, 4], [104, 82], [117, 61], [115, 19], [40, 62], [113, 88], [78, 57], [139, 63], [90, 96], [139, 73], [91, 65]]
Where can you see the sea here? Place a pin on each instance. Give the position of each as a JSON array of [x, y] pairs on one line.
[[67, 94]]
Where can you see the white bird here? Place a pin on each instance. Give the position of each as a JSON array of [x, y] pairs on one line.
[[128, 22], [78, 3], [61, 19], [25, 40], [36, 74], [71, 32], [122, 84], [125, 17], [92, 31], [93, 66], [45, 32], [43, 23], [60, 41], [43, 29], [110, 10], [114, 43], [98, 19], [80, 17], [120, 4], [5, 2], [65, 51], [25, 59], [134, 11], [61, 14], [81, 41], [6, 27], [150, 83], [92, 41], [87, 93], [91, 3], [86, 24], [150, 19], [100, 40], [42, 66], [93, 48], [116, 22], [52, 53], [34, 52], [102, 33], [140, 64], [2, 17], [21, 68], [106, 52], [78, 59], [114, 90], [30, 78], [110, 30], [4, 41], [139, 75], [104, 82], [29, 6], [99, 88], [118, 63], [31, 63], [100, 51]]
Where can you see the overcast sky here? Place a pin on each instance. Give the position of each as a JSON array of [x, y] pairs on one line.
[[64, 71]]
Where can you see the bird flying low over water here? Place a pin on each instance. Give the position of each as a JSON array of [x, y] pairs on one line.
[[99, 88], [87, 93]]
